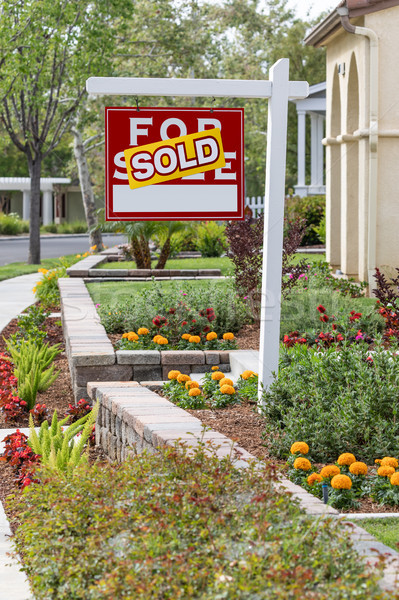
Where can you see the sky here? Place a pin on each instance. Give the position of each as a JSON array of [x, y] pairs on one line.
[[315, 7]]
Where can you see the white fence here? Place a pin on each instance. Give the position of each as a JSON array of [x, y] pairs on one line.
[[256, 204]]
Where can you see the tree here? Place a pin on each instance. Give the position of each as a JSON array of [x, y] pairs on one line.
[[48, 49]]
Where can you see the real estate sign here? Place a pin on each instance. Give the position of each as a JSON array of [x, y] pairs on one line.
[[174, 163]]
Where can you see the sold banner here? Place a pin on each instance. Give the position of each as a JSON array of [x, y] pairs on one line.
[[174, 164]]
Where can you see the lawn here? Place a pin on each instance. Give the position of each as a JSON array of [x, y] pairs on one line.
[[21, 268], [223, 263], [386, 530]]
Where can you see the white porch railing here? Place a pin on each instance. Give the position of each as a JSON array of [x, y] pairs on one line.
[[256, 204]]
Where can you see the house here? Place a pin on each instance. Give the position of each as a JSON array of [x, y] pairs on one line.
[[362, 135], [61, 199]]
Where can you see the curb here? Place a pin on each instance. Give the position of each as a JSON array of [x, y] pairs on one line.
[[53, 236]]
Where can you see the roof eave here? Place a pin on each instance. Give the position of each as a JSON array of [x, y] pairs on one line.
[[324, 29]]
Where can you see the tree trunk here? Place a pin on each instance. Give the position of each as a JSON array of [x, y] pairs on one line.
[[35, 168], [138, 257], [145, 252], [163, 257], [86, 189]]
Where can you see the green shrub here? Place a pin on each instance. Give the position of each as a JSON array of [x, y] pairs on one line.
[[310, 208], [172, 526], [49, 228], [12, 224], [210, 239], [73, 227], [128, 313], [335, 400]]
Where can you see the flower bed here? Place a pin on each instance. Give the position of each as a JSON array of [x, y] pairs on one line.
[[344, 483]]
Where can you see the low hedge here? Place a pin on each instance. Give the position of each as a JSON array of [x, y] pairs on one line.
[[173, 526]]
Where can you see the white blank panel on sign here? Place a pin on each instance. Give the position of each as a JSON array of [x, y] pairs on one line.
[[212, 198]]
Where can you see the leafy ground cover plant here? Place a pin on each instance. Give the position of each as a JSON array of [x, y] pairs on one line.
[[129, 312], [30, 326], [319, 276], [338, 400], [173, 525], [347, 480]]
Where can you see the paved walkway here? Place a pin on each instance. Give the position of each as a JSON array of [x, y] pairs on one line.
[[15, 295]]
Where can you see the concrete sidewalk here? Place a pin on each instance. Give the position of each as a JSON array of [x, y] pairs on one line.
[[16, 295]]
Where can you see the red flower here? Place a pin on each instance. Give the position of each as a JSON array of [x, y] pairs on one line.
[[334, 326], [324, 318], [321, 308], [184, 323]]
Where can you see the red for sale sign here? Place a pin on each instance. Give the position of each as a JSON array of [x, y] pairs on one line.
[[174, 164]]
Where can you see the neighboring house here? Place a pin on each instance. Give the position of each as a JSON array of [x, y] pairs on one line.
[[362, 138], [60, 200]]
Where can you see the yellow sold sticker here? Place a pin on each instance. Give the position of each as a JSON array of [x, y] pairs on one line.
[[174, 158]]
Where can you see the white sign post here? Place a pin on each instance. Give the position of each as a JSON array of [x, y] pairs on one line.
[[278, 90]]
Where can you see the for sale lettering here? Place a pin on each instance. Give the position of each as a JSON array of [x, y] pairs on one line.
[[174, 158]]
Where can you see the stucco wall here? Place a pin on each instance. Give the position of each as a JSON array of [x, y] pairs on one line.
[[348, 161]]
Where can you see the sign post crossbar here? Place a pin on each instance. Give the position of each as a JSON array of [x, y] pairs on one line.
[[278, 90]]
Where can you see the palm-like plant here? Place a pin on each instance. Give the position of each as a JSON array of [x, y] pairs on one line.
[[139, 234]]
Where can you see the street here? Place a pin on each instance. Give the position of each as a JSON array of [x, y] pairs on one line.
[[16, 249]]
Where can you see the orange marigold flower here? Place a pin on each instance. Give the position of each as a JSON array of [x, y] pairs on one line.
[[212, 335], [313, 478], [378, 461], [394, 479], [215, 368], [162, 341], [194, 392], [173, 374], [358, 468], [125, 335], [301, 447], [194, 339], [247, 374], [302, 463], [227, 389], [183, 378], [228, 336], [389, 461], [155, 338], [346, 459], [132, 336], [386, 471], [341, 482], [185, 336], [191, 384], [217, 375], [143, 331], [225, 381], [329, 471]]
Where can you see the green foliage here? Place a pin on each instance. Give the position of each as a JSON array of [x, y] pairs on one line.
[[336, 400], [319, 276], [29, 326], [60, 450], [32, 368], [66, 227], [128, 312], [310, 208], [181, 525], [320, 229], [210, 239], [12, 224], [46, 289]]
